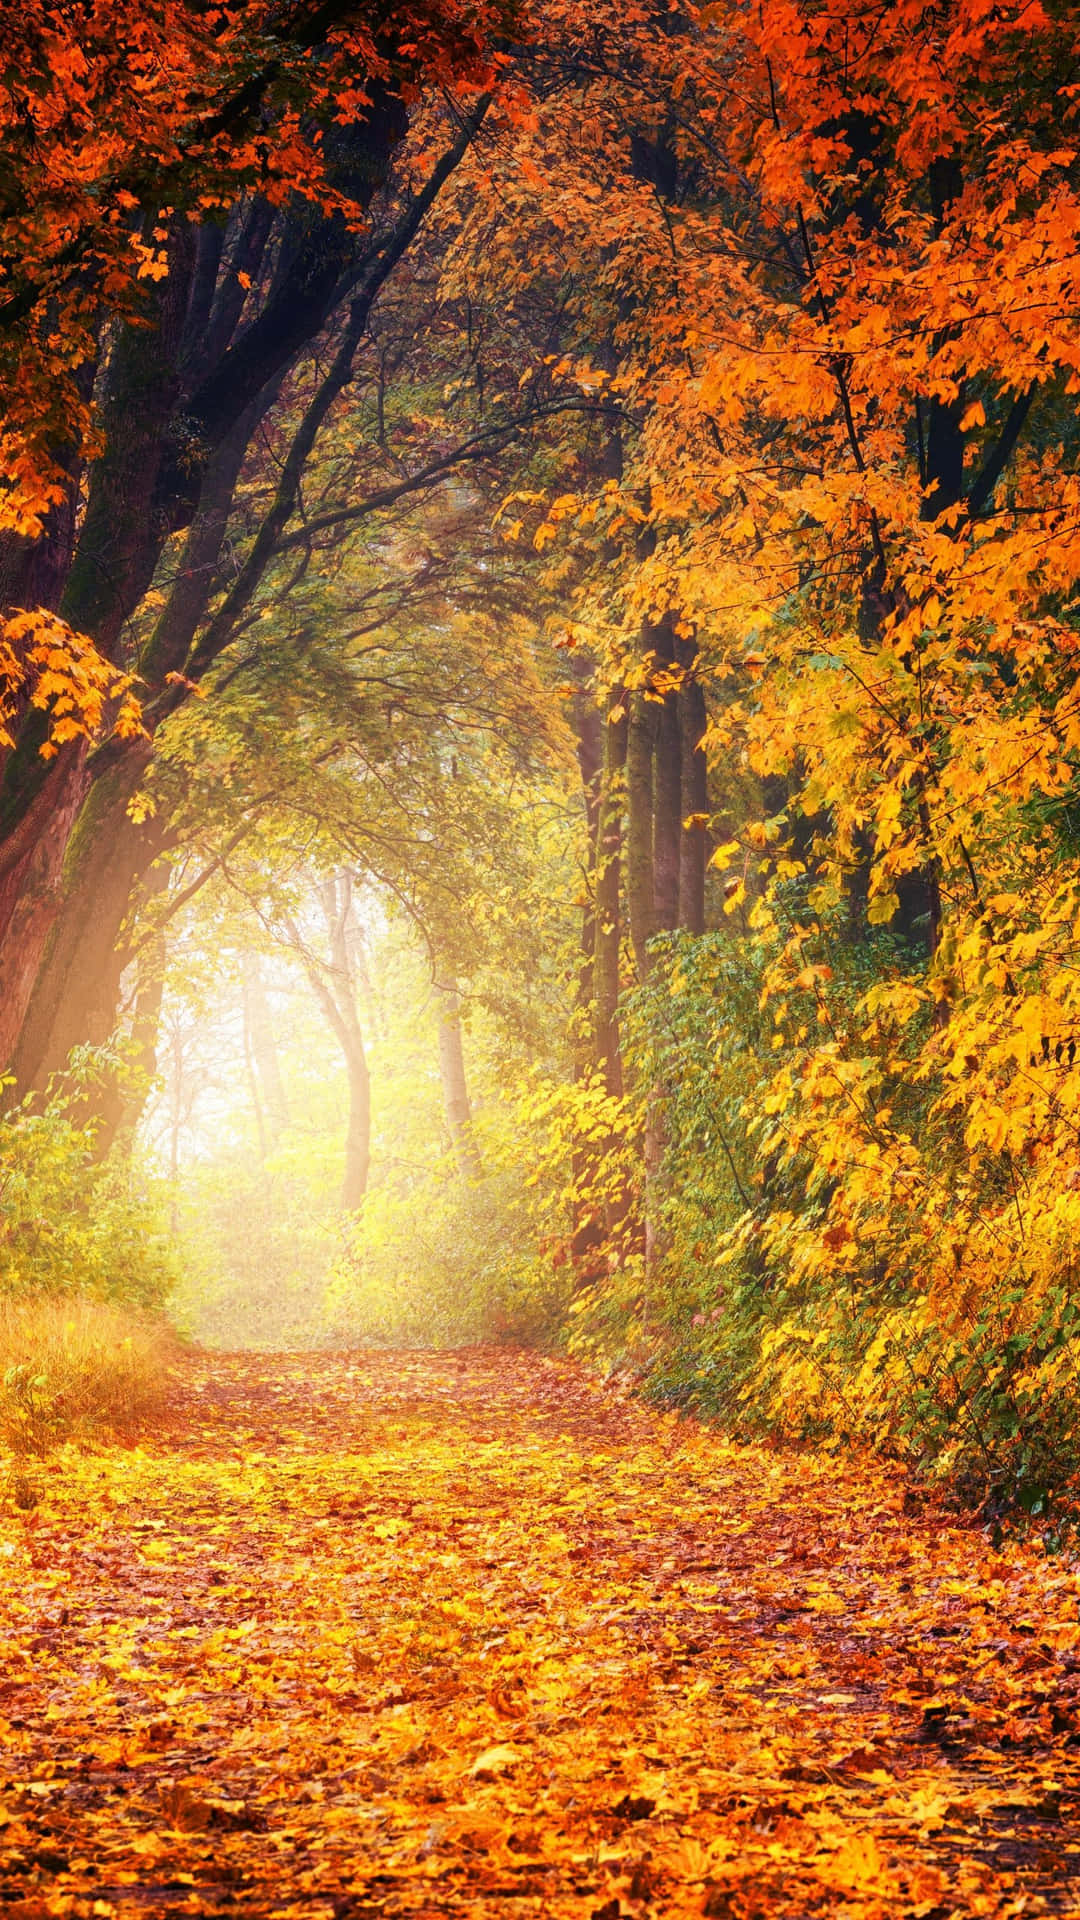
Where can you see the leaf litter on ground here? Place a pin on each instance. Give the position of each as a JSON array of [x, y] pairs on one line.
[[423, 1634]]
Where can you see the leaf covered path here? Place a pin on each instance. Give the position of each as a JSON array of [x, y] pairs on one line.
[[466, 1634]]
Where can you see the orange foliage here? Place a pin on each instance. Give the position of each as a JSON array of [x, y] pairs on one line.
[[119, 126], [44, 663]]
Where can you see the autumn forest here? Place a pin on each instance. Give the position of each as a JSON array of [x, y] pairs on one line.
[[539, 959]]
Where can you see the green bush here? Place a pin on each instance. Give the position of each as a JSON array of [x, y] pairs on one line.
[[776, 1310], [70, 1224]]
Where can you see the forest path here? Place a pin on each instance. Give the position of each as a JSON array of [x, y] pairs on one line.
[[467, 1634]]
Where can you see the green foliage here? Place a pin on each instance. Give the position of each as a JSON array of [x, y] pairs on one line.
[[85, 1268], [695, 1032], [70, 1225], [692, 1041], [987, 1400]]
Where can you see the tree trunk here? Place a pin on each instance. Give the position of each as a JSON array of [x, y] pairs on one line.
[[161, 441], [338, 905], [667, 789], [121, 1123], [607, 896], [334, 985], [259, 1023], [119, 1099], [656, 1143], [455, 1085], [587, 735], [693, 720], [76, 993], [31, 893], [358, 1136], [640, 900], [587, 1234], [33, 572], [371, 1001], [121, 536], [136, 488], [654, 793], [118, 546], [49, 874]]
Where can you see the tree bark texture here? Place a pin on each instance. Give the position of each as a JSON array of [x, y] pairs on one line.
[[119, 1099], [640, 898], [76, 988], [667, 790], [454, 1083], [358, 1136], [588, 741]]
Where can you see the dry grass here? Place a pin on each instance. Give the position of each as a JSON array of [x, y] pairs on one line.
[[71, 1368]]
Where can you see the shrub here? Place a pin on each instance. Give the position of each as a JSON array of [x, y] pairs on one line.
[[70, 1225], [837, 1259]]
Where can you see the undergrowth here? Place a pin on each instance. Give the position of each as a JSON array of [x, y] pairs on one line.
[[72, 1222], [836, 1262], [449, 1264], [85, 1270], [76, 1369]]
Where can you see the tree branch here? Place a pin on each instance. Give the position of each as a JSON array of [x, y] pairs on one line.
[[490, 440]]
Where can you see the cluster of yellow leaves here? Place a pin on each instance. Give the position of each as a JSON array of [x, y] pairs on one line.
[[467, 1633], [46, 664]]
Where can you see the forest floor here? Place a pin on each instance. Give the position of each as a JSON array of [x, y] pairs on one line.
[[468, 1634]]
